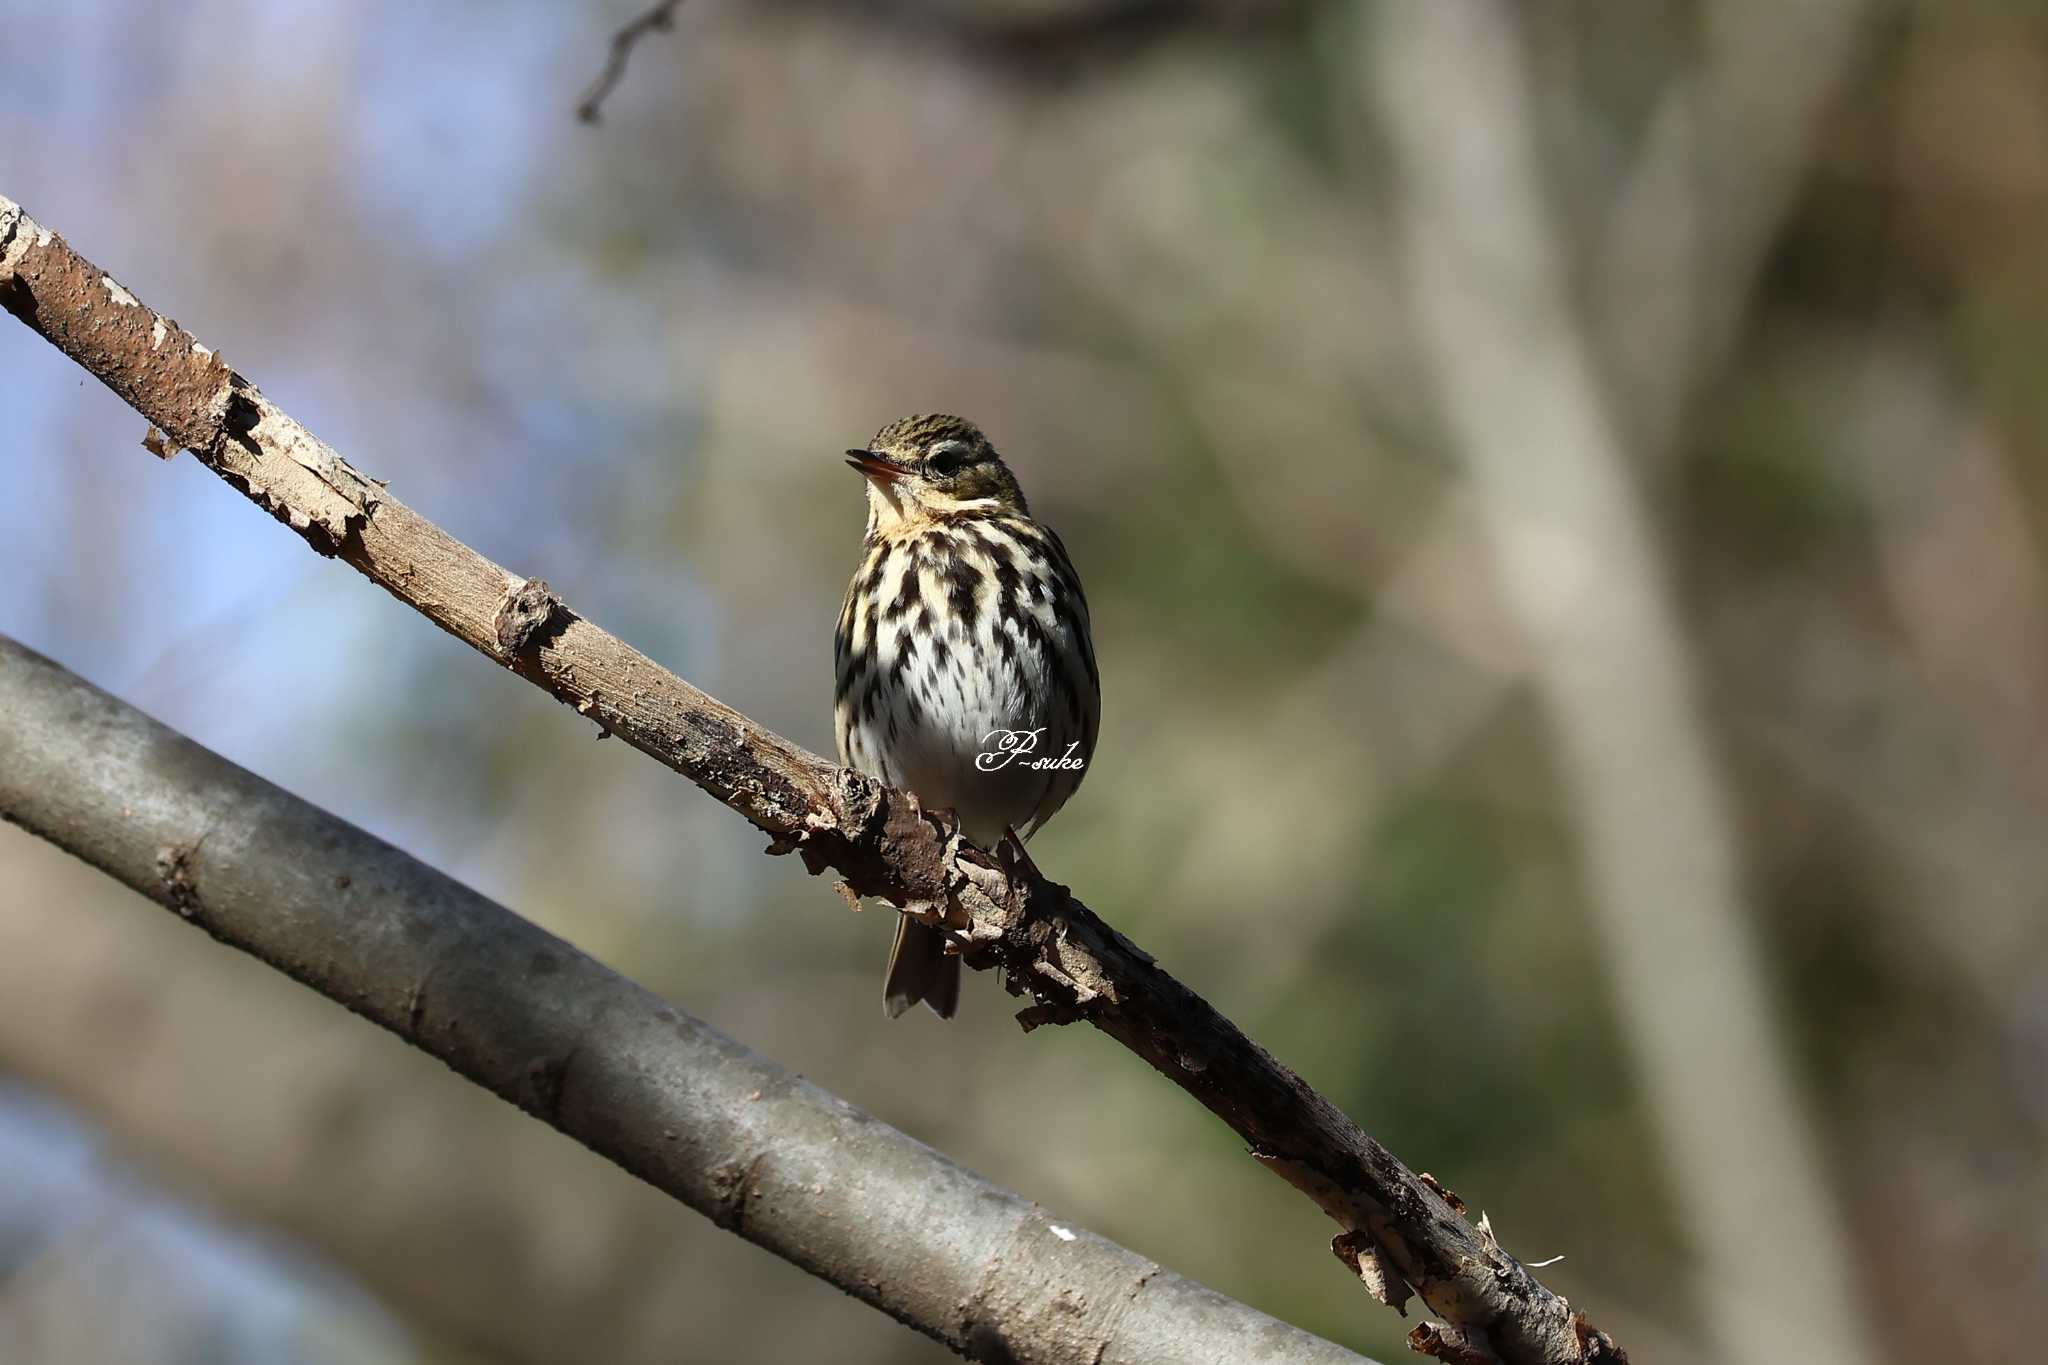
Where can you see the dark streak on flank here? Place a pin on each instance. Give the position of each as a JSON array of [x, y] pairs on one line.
[[906, 599], [963, 585], [1009, 584]]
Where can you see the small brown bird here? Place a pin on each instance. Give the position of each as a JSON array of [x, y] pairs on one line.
[[964, 668]]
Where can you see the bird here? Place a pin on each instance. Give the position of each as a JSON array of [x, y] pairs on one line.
[[964, 670]]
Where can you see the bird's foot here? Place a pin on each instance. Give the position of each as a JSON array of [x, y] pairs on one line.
[[1016, 862]]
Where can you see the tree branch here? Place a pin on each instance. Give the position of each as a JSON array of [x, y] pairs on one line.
[[760, 1152], [1051, 947], [660, 19]]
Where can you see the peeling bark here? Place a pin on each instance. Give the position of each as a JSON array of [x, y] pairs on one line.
[[1053, 950]]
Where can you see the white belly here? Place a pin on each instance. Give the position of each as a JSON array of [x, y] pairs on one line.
[[969, 696]]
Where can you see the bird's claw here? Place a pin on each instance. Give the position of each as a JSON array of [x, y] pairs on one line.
[[1016, 862]]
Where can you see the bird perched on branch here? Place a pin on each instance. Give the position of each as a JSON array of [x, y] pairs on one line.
[[964, 669]]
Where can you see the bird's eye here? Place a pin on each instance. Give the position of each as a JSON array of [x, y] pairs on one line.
[[948, 459]]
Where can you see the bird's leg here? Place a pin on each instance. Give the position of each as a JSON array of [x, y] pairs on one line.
[[1010, 852], [948, 820]]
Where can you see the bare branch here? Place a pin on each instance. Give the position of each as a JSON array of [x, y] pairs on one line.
[[1051, 947], [660, 19], [760, 1152]]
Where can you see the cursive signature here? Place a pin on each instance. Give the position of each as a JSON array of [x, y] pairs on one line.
[[1001, 748]]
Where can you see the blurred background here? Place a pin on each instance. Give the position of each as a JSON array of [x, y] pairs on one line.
[[1561, 489]]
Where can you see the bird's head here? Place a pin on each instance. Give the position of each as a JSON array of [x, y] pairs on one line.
[[935, 466]]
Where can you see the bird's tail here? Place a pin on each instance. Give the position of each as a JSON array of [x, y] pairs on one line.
[[920, 968]]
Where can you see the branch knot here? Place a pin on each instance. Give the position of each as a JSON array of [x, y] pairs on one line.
[[528, 606]]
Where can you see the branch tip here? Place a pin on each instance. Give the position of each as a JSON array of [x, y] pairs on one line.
[[660, 19]]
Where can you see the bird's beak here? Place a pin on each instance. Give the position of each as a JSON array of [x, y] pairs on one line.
[[878, 468]]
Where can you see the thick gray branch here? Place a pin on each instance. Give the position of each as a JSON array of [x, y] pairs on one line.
[[758, 1151], [1052, 948]]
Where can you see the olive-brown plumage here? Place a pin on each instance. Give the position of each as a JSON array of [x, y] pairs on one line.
[[963, 665]]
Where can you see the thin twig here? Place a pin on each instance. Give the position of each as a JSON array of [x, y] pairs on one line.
[[660, 19], [1051, 948]]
